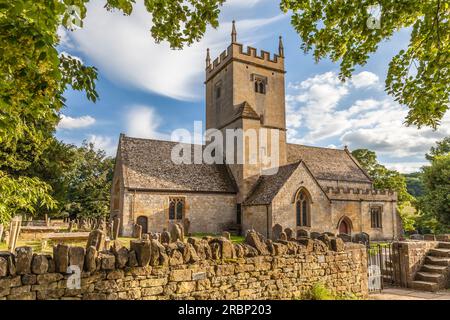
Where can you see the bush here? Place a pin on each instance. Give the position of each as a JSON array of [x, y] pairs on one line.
[[320, 292]]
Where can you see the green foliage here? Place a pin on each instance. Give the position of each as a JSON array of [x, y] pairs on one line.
[[418, 77], [33, 79], [384, 178], [442, 148], [320, 292], [435, 204], [414, 184]]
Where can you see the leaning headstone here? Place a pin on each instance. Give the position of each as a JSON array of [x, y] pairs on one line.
[[289, 233], [283, 236], [14, 231], [252, 238], [142, 248], [61, 257], [90, 259], [165, 237], [182, 233], [145, 236], [1, 231], [186, 226], [115, 228], [121, 254], [24, 255], [176, 234], [302, 233], [276, 232], [96, 239], [226, 235], [137, 231]]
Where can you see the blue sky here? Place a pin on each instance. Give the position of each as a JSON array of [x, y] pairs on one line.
[[148, 90]]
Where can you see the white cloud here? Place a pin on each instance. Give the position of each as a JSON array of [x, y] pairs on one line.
[[143, 122], [70, 55], [315, 106], [104, 143], [124, 51], [69, 123], [406, 167], [364, 79]]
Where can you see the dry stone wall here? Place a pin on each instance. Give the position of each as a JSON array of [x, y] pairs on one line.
[[211, 268]]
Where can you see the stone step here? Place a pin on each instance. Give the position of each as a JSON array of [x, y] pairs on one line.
[[444, 245], [424, 286], [437, 261], [439, 252], [434, 268], [429, 277]]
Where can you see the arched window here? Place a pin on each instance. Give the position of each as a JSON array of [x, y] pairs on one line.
[[302, 208], [176, 208], [262, 87]]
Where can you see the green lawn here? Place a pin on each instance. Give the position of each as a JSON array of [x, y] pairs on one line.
[[234, 239]]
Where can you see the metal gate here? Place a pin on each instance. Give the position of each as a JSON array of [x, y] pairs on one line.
[[383, 265]]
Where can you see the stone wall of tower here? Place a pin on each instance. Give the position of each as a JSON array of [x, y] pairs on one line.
[[230, 81]]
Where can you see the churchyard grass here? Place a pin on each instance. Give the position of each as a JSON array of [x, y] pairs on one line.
[[233, 238]]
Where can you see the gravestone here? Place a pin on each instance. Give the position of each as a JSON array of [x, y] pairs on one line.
[[70, 228], [289, 233], [176, 233], [314, 235], [276, 232], [186, 226], [14, 230], [345, 237], [226, 235], [137, 231], [416, 237], [1, 231], [361, 237], [283, 236], [302, 233], [96, 239], [165, 237], [115, 228], [429, 237]]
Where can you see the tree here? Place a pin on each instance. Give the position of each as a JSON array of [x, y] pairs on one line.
[[417, 77], [34, 77], [414, 184], [384, 178], [89, 183], [442, 148], [435, 203]]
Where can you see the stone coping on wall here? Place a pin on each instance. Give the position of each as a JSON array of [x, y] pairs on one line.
[[212, 268]]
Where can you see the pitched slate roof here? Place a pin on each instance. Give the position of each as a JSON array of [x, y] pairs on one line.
[[147, 164], [326, 163], [268, 186]]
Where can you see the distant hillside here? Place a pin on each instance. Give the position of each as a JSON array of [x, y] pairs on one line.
[[414, 183]]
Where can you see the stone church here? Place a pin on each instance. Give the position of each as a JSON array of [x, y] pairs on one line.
[[318, 189]]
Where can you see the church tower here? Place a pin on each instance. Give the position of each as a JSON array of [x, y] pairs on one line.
[[246, 90]]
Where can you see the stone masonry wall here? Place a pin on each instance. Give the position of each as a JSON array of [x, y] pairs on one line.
[[411, 257], [198, 269]]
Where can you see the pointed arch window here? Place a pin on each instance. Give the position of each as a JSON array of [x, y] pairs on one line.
[[176, 208], [303, 209]]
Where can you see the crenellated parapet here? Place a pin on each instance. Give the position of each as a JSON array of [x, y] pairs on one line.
[[249, 55], [348, 193]]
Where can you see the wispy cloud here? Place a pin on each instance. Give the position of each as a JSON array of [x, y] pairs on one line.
[[105, 143], [316, 107], [143, 122], [69, 123], [123, 50]]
